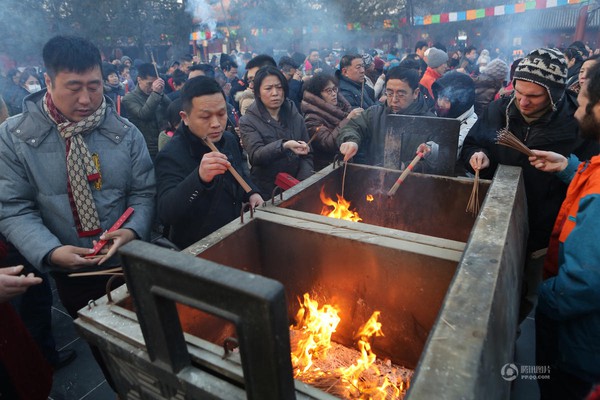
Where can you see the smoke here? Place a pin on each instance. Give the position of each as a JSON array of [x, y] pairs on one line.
[[203, 13]]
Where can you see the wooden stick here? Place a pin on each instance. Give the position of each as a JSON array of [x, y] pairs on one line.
[[154, 63], [408, 169], [362, 93], [235, 174], [112, 271], [473, 204], [344, 177]]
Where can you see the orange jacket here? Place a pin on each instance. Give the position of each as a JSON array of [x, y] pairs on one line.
[[430, 76]]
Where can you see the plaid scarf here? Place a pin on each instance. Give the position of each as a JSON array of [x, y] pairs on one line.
[[81, 168]]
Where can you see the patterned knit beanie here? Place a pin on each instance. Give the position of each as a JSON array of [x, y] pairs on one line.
[[545, 67]]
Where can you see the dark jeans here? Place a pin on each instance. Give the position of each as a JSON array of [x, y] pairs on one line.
[[561, 385]]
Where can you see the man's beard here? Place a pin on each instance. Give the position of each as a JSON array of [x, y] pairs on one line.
[[589, 128]]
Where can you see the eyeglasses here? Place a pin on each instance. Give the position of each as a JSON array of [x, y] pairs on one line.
[[331, 90], [401, 94]]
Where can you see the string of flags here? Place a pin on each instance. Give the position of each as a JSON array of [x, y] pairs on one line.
[[469, 15], [466, 15]]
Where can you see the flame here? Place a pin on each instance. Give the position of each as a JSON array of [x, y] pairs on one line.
[[361, 380], [370, 198], [316, 325], [352, 375], [341, 209]]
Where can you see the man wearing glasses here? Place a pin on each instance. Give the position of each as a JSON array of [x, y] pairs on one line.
[[368, 132], [352, 82]]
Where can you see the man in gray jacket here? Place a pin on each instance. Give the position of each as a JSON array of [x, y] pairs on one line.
[[69, 167], [146, 106]]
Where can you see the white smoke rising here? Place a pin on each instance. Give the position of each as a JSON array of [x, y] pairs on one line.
[[202, 11]]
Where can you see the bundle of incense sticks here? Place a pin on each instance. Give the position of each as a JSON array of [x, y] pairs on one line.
[[473, 204], [405, 173], [505, 138]]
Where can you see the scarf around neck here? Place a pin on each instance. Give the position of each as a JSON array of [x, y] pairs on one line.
[[81, 168]]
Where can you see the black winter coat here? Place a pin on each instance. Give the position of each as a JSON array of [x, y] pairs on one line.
[[555, 131], [263, 138], [352, 92], [190, 207]]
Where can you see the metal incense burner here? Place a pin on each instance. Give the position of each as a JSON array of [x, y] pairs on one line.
[[447, 285]]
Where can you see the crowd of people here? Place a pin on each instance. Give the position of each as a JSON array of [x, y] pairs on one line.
[[88, 138]]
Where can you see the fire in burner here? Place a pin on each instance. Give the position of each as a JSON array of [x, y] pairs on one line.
[[336, 369], [341, 208]]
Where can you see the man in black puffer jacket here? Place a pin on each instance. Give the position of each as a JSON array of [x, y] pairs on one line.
[[352, 82], [196, 195]]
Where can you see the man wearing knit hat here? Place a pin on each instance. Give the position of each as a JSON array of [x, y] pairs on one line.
[[437, 64], [540, 114]]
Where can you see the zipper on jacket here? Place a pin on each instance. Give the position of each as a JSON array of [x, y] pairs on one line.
[[527, 134]]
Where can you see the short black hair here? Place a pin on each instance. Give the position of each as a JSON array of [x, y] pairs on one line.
[[410, 76], [317, 83], [287, 62], [122, 67], [206, 68], [440, 46], [410, 63], [593, 86], [27, 72], [185, 58], [420, 44], [197, 87], [260, 61], [179, 77], [71, 54], [573, 53], [347, 59], [146, 70], [262, 73], [173, 113], [470, 49]]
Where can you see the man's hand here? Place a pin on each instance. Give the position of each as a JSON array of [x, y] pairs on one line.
[[158, 86], [423, 148], [479, 161], [118, 239], [12, 284], [211, 165], [71, 257], [298, 147], [349, 150], [256, 200], [548, 161], [354, 113]]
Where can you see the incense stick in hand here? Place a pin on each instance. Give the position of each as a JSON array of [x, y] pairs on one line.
[[473, 204], [505, 138]]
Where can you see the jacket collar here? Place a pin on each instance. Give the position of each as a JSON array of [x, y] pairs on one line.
[[33, 125]]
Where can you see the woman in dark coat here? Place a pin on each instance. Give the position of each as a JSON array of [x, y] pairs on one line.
[[28, 83], [273, 133], [326, 112]]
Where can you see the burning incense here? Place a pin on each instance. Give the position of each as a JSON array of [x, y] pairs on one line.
[[235, 174], [154, 64], [473, 204], [314, 136], [362, 93], [344, 178], [408, 169], [505, 138]]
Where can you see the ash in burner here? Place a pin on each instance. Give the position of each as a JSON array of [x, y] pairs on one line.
[[339, 370]]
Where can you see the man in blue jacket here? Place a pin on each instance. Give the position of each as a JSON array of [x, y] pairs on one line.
[[568, 312]]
